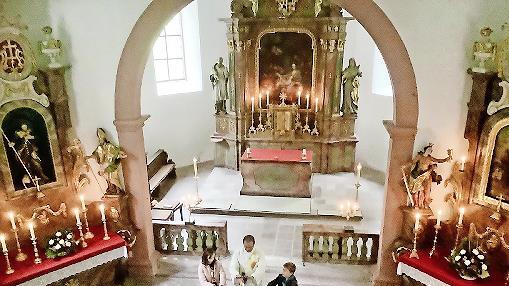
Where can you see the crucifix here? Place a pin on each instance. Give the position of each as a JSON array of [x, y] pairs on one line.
[[283, 97]]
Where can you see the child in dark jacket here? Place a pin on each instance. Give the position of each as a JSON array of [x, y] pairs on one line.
[[287, 278]]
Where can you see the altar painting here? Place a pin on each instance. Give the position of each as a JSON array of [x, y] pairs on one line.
[[498, 180], [286, 65]]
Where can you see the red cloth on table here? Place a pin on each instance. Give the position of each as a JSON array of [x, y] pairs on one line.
[[275, 155], [27, 270], [439, 268]]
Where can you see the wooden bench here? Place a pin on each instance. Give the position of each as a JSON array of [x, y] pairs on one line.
[[161, 170]]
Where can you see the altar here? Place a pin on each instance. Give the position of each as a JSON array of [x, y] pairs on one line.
[[278, 173]]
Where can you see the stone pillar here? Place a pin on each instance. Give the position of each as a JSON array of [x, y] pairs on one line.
[[400, 150], [130, 137]]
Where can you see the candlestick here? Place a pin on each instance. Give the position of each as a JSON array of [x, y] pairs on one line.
[[306, 127], [20, 256], [106, 236], [82, 200], [439, 214], [252, 104], [77, 215], [260, 126], [8, 270], [101, 209], [304, 154], [462, 213], [437, 228], [462, 165], [88, 234], [248, 152], [357, 186], [459, 227], [414, 254], [32, 232], [195, 166], [307, 101], [316, 104], [82, 237], [11, 218], [37, 259], [252, 129], [315, 128]]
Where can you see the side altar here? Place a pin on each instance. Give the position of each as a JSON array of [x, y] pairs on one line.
[[284, 86], [277, 173]]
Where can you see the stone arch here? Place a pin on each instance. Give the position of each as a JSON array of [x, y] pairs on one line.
[[129, 121]]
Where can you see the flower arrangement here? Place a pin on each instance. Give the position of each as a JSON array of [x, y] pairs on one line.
[[469, 263], [61, 244]]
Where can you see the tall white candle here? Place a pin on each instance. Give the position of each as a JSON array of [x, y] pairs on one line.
[[252, 104], [260, 100], [2, 240], [307, 101], [439, 214], [316, 104], [417, 217], [11, 218], [304, 153], [31, 228], [298, 96], [101, 209], [82, 200], [77, 214], [462, 213], [462, 165], [195, 167], [358, 173], [268, 92]]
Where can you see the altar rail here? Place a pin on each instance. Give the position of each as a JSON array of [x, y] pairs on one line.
[[178, 238], [331, 244]]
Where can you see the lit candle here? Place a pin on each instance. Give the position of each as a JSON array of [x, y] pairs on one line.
[[2, 240], [348, 208], [195, 166], [252, 104], [268, 99], [462, 165], [439, 214], [417, 217], [11, 218], [77, 214], [316, 104], [358, 173], [298, 96], [307, 101], [101, 209], [462, 212], [260, 100], [32, 232], [82, 199], [341, 209], [304, 153]]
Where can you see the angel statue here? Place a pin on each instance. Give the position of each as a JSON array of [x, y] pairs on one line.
[[219, 79], [351, 88], [108, 156], [420, 173]]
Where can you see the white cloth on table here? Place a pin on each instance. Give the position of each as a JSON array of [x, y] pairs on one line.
[[252, 264], [418, 275]]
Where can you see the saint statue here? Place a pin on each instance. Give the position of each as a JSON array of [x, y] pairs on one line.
[[483, 50], [219, 79], [351, 88], [422, 172], [29, 157], [81, 166], [108, 156]]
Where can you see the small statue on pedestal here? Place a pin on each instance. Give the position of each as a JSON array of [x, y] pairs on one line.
[[351, 88], [219, 79], [51, 47], [419, 175], [483, 50]]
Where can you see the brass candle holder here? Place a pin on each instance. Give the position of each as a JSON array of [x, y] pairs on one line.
[[252, 129], [414, 254], [20, 256], [37, 259], [315, 129], [437, 228], [8, 269], [260, 126], [105, 227], [82, 237], [306, 127], [459, 227], [88, 233]]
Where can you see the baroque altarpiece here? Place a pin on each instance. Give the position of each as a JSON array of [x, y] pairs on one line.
[[285, 72]]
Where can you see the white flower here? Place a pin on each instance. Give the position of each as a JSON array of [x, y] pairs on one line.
[[51, 242], [58, 234], [480, 256], [57, 247], [68, 244], [484, 267], [463, 251], [69, 236], [467, 262], [457, 258], [61, 242], [475, 252]]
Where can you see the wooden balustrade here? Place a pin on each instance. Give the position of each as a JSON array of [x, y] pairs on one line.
[[331, 244], [171, 237]]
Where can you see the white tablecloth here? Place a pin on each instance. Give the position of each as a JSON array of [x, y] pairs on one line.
[[419, 275]]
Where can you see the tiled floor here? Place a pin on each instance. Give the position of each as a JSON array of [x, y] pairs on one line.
[[279, 238]]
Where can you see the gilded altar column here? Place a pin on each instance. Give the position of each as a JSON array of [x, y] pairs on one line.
[[400, 149], [130, 137]]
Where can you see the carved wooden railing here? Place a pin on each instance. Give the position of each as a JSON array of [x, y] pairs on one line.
[[331, 244], [171, 237]]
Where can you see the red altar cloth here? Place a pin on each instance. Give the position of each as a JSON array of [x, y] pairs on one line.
[[275, 155], [27, 270], [439, 268]]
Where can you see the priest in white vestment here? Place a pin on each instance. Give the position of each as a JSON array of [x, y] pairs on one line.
[[247, 266]]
